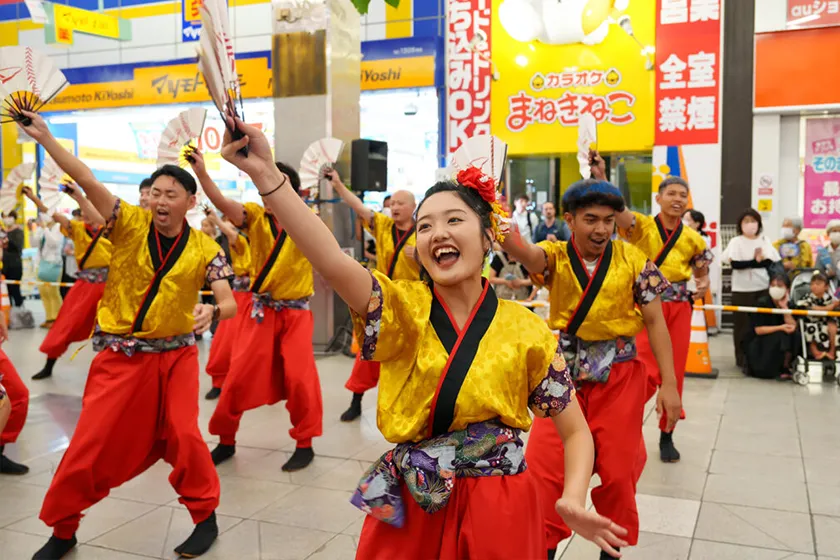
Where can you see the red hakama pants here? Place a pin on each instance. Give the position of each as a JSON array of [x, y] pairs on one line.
[[75, 319], [364, 377], [678, 318], [135, 411], [614, 412], [273, 361], [221, 348], [489, 517], [18, 396]]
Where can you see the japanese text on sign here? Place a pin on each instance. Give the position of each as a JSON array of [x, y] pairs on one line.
[[687, 72], [469, 71], [812, 13], [613, 107], [822, 171]]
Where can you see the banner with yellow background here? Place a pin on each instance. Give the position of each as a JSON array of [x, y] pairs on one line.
[[559, 59]]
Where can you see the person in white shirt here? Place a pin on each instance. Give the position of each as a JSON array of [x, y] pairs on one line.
[[50, 243], [525, 220], [751, 256]]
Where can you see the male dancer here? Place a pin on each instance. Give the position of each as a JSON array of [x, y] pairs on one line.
[[145, 189], [595, 287], [678, 252], [395, 242], [77, 316], [141, 398], [273, 359], [18, 396], [218, 362]]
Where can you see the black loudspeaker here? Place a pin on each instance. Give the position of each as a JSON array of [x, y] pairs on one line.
[[369, 166]]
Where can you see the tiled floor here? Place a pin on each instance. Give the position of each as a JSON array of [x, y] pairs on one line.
[[759, 477]]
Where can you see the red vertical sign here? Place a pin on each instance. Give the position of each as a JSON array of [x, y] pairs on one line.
[[687, 71], [468, 73]]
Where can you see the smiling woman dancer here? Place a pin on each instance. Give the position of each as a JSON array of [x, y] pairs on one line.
[[460, 369]]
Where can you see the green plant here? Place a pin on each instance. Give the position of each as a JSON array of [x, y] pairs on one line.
[[362, 5]]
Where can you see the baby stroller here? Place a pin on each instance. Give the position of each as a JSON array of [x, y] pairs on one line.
[[809, 370]]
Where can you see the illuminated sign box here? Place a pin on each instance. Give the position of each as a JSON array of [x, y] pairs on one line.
[[63, 21]]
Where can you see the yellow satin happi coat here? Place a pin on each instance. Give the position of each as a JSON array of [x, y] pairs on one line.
[[131, 274], [614, 312], [100, 257], [290, 277], [240, 255], [382, 229], [512, 359], [678, 264]]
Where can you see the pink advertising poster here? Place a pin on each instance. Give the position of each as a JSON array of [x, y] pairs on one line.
[[822, 172]]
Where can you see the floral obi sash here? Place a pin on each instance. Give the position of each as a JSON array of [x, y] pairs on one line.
[[430, 468], [261, 301], [93, 275], [592, 360]]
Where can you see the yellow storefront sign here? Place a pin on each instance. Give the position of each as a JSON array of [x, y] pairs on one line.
[[398, 73], [65, 20], [162, 85], [548, 77]]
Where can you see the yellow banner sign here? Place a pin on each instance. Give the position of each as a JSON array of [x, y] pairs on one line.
[[398, 73], [64, 20], [162, 85], [548, 76]]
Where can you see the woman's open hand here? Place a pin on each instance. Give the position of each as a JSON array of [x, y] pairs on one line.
[[592, 526]]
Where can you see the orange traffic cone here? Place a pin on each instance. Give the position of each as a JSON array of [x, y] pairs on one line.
[[699, 364]]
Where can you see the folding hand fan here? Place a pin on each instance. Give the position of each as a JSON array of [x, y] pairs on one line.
[[9, 189], [485, 152], [217, 63], [53, 183], [317, 157], [587, 140], [28, 80], [178, 139]]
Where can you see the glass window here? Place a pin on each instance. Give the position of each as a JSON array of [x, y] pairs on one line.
[[632, 174], [530, 176]]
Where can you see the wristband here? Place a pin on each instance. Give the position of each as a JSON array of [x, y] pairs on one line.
[[275, 189]]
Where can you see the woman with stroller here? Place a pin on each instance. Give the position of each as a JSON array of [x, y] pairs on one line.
[[820, 332], [772, 342]]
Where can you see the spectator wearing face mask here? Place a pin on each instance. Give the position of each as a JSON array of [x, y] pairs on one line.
[[751, 256], [772, 342], [12, 256], [795, 253], [828, 257]]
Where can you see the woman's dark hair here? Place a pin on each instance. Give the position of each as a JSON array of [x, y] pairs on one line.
[[470, 197], [291, 173], [592, 192], [781, 278], [749, 212], [698, 218], [181, 176]]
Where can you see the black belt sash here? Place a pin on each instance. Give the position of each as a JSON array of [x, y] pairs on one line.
[[90, 248], [591, 286], [462, 348], [279, 241], [668, 240], [161, 270], [399, 243]]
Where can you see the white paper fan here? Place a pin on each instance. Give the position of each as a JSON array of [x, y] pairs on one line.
[[9, 189], [216, 60], [178, 139], [587, 140], [486, 152], [29, 80], [318, 156], [52, 183]]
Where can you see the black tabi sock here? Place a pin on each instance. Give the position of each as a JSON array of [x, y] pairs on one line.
[[46, 371], [300, 459], [355, 409], [667, 452], [201, 539], [605, 556], [7, 466], [55, 548], [551, 553], [222, 453]]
